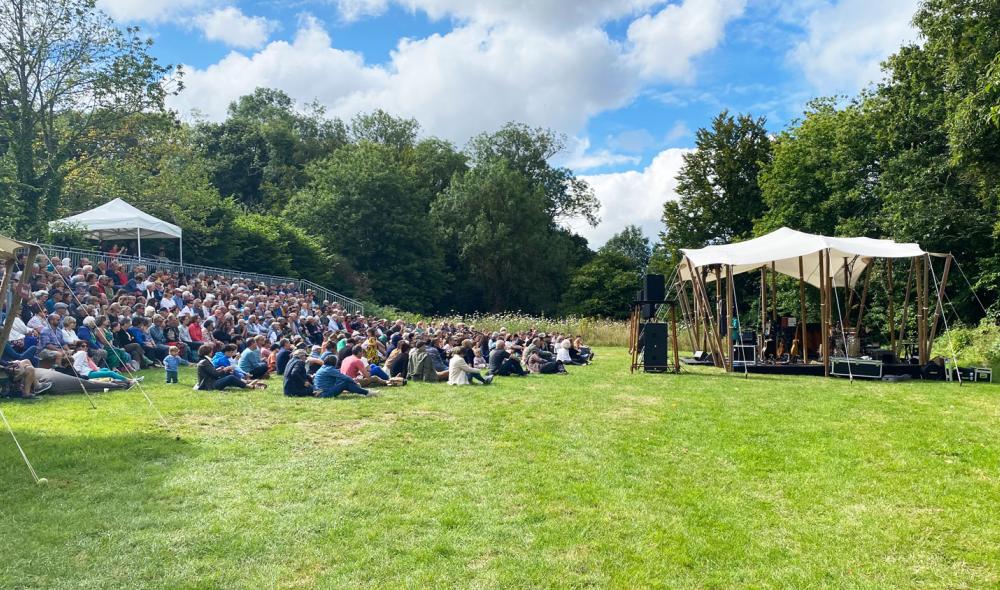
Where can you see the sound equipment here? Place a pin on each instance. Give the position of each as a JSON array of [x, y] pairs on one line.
[[654, 347], [654, 288], [701, 356], [844, 367], [932, 371], [967, 374], [984, 375], [744, 354], [648, 311]]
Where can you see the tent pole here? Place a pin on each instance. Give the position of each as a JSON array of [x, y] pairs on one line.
[[180, 242], [15, 301], [711, 336], [939, 308], [924, 308], [729, 316], [848, 298], [825, 271], [761, 343], [673, 338], [686, 311], [861, 304], [8, 276], [774, 300], [892, 306], [906, 302], [802, 306], [920, 308], [138, 241]]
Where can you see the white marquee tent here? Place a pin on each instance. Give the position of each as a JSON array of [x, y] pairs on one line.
[[783, 247], [117, 220]]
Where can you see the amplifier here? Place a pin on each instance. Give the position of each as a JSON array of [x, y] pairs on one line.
[[984, 375], [843, 367], [744, 354], [967, 374]]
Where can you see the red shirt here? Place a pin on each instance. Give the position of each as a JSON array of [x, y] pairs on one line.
[[353, 367], [194, 329]]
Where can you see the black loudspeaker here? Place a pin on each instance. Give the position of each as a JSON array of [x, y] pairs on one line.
[[654, 288], [654, 347]]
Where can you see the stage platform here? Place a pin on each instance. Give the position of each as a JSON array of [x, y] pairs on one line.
[[813, 369]]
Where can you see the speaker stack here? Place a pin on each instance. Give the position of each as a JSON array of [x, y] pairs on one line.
[[652, 336]]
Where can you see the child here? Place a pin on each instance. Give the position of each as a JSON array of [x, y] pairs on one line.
[[171, 362], [479, 362]]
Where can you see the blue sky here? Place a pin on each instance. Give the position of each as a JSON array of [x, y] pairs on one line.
[[627, 81]]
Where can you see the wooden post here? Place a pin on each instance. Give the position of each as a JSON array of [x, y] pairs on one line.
[[823, 304], [848, 300], [892, 306], [864, 297], [698, 284], [15, 300], [939, 308], [921, 309], [763, 309], [802, 306], [906, 299], [926, 307], [673, 338], [774, 298], [729, 316], [828, 278], [682, 300]]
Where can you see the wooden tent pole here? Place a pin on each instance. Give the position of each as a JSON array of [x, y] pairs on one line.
[[729, 316], [802, 306], [892, 306], [848, 299], [926, 306], [15, 300], [698, 283], [774, 298], [920, 309], [939, 308], [825, 268], [906, 300], [763, 309], [673, 338], [686, 312], [864, 298]]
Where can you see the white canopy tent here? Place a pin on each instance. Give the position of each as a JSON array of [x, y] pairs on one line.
[[824, 262], [117, 220], [783, 247]]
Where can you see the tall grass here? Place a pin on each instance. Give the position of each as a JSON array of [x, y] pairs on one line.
[[977, 346], [594, 331]]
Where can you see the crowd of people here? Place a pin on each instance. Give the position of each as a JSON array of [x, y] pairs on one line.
[[94, 325]]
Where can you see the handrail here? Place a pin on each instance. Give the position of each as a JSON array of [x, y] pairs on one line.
[[130, 262]]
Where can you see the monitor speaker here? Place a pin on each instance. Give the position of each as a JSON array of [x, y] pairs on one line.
[[654, 288], [654, 347]]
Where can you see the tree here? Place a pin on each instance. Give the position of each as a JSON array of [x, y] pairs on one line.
[[719, 194], [502, 235], [259, 154], [528, 151], [65, 71], [606, 285], [631, 243], [369, 202]]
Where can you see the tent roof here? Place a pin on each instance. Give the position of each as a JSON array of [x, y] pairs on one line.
[[117, 220], [784, 246], [8, 247]]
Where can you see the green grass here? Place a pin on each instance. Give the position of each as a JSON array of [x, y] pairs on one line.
[[596, 479]]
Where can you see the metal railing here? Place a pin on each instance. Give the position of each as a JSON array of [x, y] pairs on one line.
[[153, 264]]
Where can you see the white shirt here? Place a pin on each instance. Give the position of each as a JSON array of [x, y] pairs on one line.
[[562, 354], [80, 364], [458, 370], [70, 337]]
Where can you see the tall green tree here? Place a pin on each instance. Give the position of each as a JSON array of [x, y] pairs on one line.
[[259, 154], [719, 193], [606, 285], [631, 243], [66, 71]]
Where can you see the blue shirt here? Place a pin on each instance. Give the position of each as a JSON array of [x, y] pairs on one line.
[[328, 378], [249, 359], [172, 362], [136, 333]]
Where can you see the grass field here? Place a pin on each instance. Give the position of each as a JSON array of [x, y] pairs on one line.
[[596, 479]]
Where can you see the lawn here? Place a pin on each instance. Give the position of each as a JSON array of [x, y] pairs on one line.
[[595, 479]]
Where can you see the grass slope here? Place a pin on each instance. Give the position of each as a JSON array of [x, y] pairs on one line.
[[599, 479]]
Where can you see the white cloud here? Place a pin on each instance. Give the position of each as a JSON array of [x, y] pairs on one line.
[[352, 10], [151, 10], [581, 158], [472, 79], [664, 44], [847, 40], [234, 28], [635, 197]]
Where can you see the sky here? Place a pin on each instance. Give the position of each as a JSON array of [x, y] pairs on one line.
[[627, 82]]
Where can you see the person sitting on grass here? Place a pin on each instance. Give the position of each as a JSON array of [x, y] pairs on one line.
[[396, 364], [23, 372], [329, 382], [354, 367], [564, 355], [86, 369], [212, 378], [298, 383], [420, 367], [502, 363], [250, 360], [459, 371]]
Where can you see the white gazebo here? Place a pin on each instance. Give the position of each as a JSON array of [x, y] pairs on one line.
[[117, 220]]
